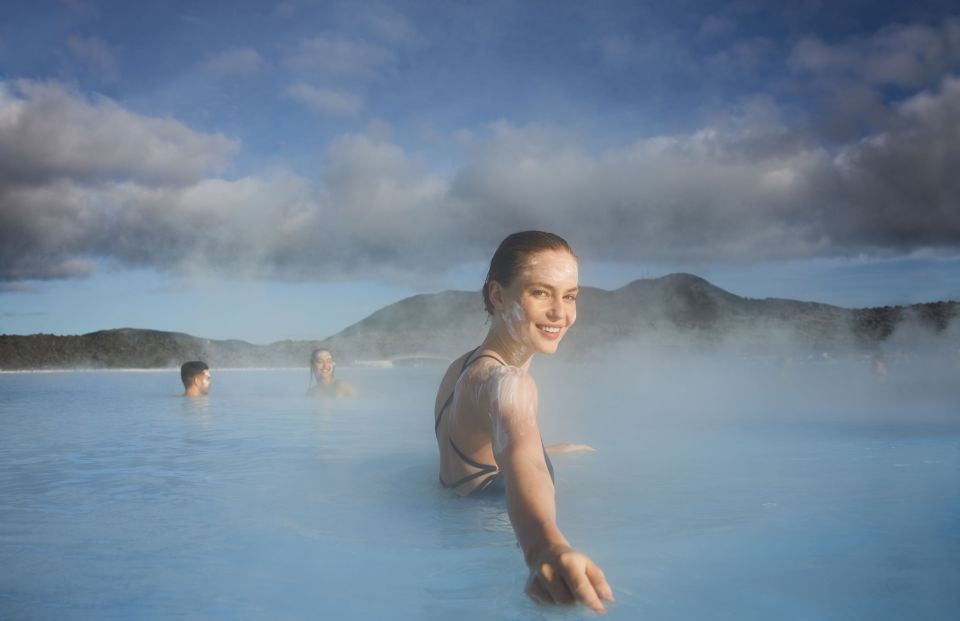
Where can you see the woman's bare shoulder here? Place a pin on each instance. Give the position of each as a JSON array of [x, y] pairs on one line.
[[501, 388]]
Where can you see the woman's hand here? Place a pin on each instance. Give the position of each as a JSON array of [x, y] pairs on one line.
[[561, 575]]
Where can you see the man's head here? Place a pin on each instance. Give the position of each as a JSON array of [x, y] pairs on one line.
[[195, 376]]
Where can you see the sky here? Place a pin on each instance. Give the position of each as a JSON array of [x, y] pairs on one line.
[[280, 170]]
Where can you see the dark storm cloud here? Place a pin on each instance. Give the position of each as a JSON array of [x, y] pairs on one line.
[[73, 170], [899, 190], [745, 191]]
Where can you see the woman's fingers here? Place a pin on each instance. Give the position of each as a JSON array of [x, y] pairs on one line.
[[599, 581], [569, 579], [583, 587]]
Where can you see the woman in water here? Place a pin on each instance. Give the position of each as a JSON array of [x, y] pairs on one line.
[[322, 382], [486, 412]]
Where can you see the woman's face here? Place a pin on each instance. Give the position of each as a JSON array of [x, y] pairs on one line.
[[540, 304], [323, 364]]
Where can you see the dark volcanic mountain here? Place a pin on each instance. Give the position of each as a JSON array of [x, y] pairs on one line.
[[129, 348], [676, 310]]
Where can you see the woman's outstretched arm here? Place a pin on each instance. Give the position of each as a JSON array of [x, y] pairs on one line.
[[569, 447], [558, 573]]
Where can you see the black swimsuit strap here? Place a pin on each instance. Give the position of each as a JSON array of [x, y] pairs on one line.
[[482, 469], [466, 363]]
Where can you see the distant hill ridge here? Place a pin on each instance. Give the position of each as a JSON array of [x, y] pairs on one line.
[[675, 310]]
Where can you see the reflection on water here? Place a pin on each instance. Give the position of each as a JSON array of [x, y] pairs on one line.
[[720, 489]]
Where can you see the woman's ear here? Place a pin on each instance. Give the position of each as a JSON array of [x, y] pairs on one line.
[[495, 292]]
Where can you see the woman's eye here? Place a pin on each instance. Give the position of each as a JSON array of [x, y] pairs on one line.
[[539, 293], [570, 298]]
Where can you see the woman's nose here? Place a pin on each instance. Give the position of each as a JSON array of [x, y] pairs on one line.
[[555, 311]]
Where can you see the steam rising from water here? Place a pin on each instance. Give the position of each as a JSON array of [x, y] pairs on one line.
[[680, 387], [754, 486]]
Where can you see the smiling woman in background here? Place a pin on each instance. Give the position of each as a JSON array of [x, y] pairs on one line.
[[486, 412], [322, 381]]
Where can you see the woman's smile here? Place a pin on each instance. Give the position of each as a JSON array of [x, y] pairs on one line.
[[551, 331]]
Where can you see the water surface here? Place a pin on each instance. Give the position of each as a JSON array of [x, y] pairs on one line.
[[720, 489]]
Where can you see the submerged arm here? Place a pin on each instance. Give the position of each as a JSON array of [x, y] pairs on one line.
[[558, 573]]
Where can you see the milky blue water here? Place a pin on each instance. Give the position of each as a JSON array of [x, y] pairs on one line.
[[723, 489]]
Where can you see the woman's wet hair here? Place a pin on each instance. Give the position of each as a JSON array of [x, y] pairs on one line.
[[313, 354], [512, 255]]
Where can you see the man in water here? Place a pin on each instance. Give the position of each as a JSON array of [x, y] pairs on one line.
[[195, 376]]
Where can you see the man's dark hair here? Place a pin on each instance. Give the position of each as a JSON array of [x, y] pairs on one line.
[[189, 370]]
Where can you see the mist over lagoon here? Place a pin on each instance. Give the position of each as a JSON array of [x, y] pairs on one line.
[[734, 489]]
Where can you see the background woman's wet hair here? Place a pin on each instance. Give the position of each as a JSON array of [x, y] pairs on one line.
[[319, 350], [512, 254]]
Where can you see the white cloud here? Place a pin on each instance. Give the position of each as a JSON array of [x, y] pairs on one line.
[[390, 26], [49, 132], [714, 26], [907, 56], [241, 61], [339, 56], [326, 101], [58, 150], [676, 198], [120, 188]]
